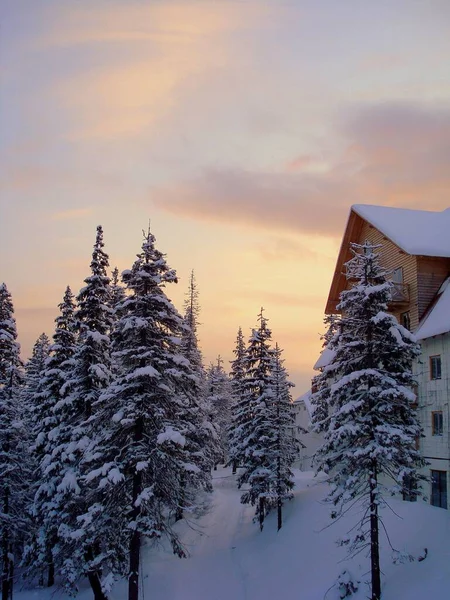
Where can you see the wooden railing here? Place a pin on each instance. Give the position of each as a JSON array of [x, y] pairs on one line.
[[400, 293]]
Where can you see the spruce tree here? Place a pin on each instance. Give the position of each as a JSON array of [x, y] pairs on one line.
[[371, 426], [89, 375], [35, 367], [150, 459], [117, 293], [237, 378], [321, 381], [14, 460], [218, 399], [42, 548], [255, 427], [189, 339], [284, 448]]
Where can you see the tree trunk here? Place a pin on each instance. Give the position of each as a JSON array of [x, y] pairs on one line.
[[280, 513], [133, 578], [374, 537], [51, 574], [135, 542], [6, 581], [96, 586], [94, 578], [234, 467], [51, 564], [261, 513]]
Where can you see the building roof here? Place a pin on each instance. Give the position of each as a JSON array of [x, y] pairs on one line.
[[306, 399], [437, 321], [417, 232], [325, 358]]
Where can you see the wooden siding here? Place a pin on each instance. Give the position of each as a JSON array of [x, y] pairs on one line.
[[431, 272], [392, 257]]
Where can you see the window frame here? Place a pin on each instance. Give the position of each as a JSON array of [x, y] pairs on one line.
[[397, 270], [439, 493], [408, 319], [437, 431], [431, 362]]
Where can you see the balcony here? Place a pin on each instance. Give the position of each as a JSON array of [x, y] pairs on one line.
[[400, 293]]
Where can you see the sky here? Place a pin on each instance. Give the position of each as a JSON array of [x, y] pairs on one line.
[[243, 130]]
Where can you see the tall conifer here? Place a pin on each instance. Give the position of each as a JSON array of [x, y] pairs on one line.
[[370, 426], [14, 460]]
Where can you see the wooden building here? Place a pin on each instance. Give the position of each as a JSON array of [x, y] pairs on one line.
[[415, 248]]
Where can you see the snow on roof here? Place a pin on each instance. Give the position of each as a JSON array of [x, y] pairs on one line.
[[306, 399], [437, 321], [417, 232], [325, 358]]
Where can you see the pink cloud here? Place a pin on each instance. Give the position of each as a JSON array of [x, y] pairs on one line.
[[396, 154]]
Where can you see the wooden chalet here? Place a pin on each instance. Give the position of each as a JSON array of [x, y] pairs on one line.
[[415, 247]]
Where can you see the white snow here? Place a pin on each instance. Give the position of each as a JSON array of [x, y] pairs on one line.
[[417, 232], [230, 559], [438, 319], [326, 357], [170, 435]]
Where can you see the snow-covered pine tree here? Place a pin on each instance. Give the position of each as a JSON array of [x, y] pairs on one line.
[[14, 460], [255, 430], [371, 428], [150, 460], [237, 378], [207, 432], [117, 292], [284, 448], [41, 547], [218, 398], [74, 434], [321, 381], [189, 339], [34, 369]]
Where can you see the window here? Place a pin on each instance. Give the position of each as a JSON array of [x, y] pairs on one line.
[[397, 275], [435, 367], [439, 488], [405, 320], [409, 489], [437, 423]]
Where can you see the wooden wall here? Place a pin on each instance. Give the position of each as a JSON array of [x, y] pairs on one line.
[[431, 272], [392, 258]]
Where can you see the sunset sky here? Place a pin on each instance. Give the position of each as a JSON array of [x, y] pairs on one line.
[[243, 129]]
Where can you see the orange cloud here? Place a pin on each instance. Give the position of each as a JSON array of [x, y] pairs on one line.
[[166, 44], [74, 213]]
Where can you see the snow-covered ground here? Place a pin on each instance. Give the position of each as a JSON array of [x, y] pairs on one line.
[[230, 559]]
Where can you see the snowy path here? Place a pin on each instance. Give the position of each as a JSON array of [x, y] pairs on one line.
[[216, 567], [230, 559]]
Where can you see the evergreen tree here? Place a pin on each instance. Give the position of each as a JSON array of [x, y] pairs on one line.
[[237, 378], [117, 293], [284, 448], [74, 434], [321, 381], [34, 369], [218, 398], [150, 459], [254, 415], [41, 550], [189, 339], [14, 460], [371, 427]]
